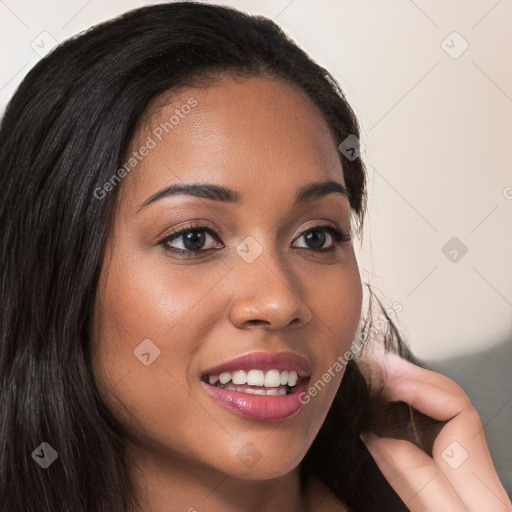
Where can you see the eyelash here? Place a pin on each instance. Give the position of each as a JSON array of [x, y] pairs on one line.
[[339, 236]]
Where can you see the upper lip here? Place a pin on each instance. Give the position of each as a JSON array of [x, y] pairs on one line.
[[264, 361]]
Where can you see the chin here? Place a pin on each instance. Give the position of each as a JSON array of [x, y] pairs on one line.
[[256, 460]]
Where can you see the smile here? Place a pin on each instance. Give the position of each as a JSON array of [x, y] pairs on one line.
[[261, 386], [256, 382]]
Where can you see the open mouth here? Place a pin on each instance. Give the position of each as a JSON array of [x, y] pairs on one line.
[[256, 382], [262, 386]]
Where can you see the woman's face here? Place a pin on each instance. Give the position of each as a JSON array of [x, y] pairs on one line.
[[166, 321]]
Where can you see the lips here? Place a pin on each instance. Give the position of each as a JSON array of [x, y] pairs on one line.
[[260, 385]]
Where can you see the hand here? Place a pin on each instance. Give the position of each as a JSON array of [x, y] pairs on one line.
[[460, 477]]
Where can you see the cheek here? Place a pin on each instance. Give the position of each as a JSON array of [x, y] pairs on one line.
[[335, 298], [146, 325], [151, 298], [154, 309]]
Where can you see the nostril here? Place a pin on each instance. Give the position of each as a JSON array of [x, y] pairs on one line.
[[257, 322]]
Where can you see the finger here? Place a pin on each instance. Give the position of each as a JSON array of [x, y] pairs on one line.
[[429, 392], [415, 477], [460, 449], [462, 453]]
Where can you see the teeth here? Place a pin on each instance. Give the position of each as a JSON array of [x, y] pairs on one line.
[[224, 377], [255, 378], [270, 379], [239, 377], [250, 391]]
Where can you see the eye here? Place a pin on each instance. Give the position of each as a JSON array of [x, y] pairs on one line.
[[192, 240], [316, 237]]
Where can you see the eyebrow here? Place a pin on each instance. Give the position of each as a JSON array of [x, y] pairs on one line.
[[306, 193]]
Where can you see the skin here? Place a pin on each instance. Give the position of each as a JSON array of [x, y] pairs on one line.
[[264, 139]]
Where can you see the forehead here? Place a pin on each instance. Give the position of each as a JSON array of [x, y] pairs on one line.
[[250, 134]]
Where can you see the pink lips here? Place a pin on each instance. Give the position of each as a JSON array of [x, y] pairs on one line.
[[261, 407]]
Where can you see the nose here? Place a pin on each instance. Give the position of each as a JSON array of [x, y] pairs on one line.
[[268, 294]]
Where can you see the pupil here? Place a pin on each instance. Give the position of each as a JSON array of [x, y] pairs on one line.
[[318, 241], [194, 240]]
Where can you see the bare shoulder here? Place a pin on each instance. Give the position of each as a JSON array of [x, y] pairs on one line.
[[321, 499]]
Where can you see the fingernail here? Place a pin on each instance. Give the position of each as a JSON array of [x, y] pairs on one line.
[[450, 419]]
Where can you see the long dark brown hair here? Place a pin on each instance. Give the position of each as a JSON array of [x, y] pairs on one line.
[[63, 136]]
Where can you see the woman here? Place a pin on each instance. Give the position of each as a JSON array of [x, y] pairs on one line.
[[181, 301]]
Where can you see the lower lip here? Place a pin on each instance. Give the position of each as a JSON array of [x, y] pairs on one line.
[[259, 407]]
